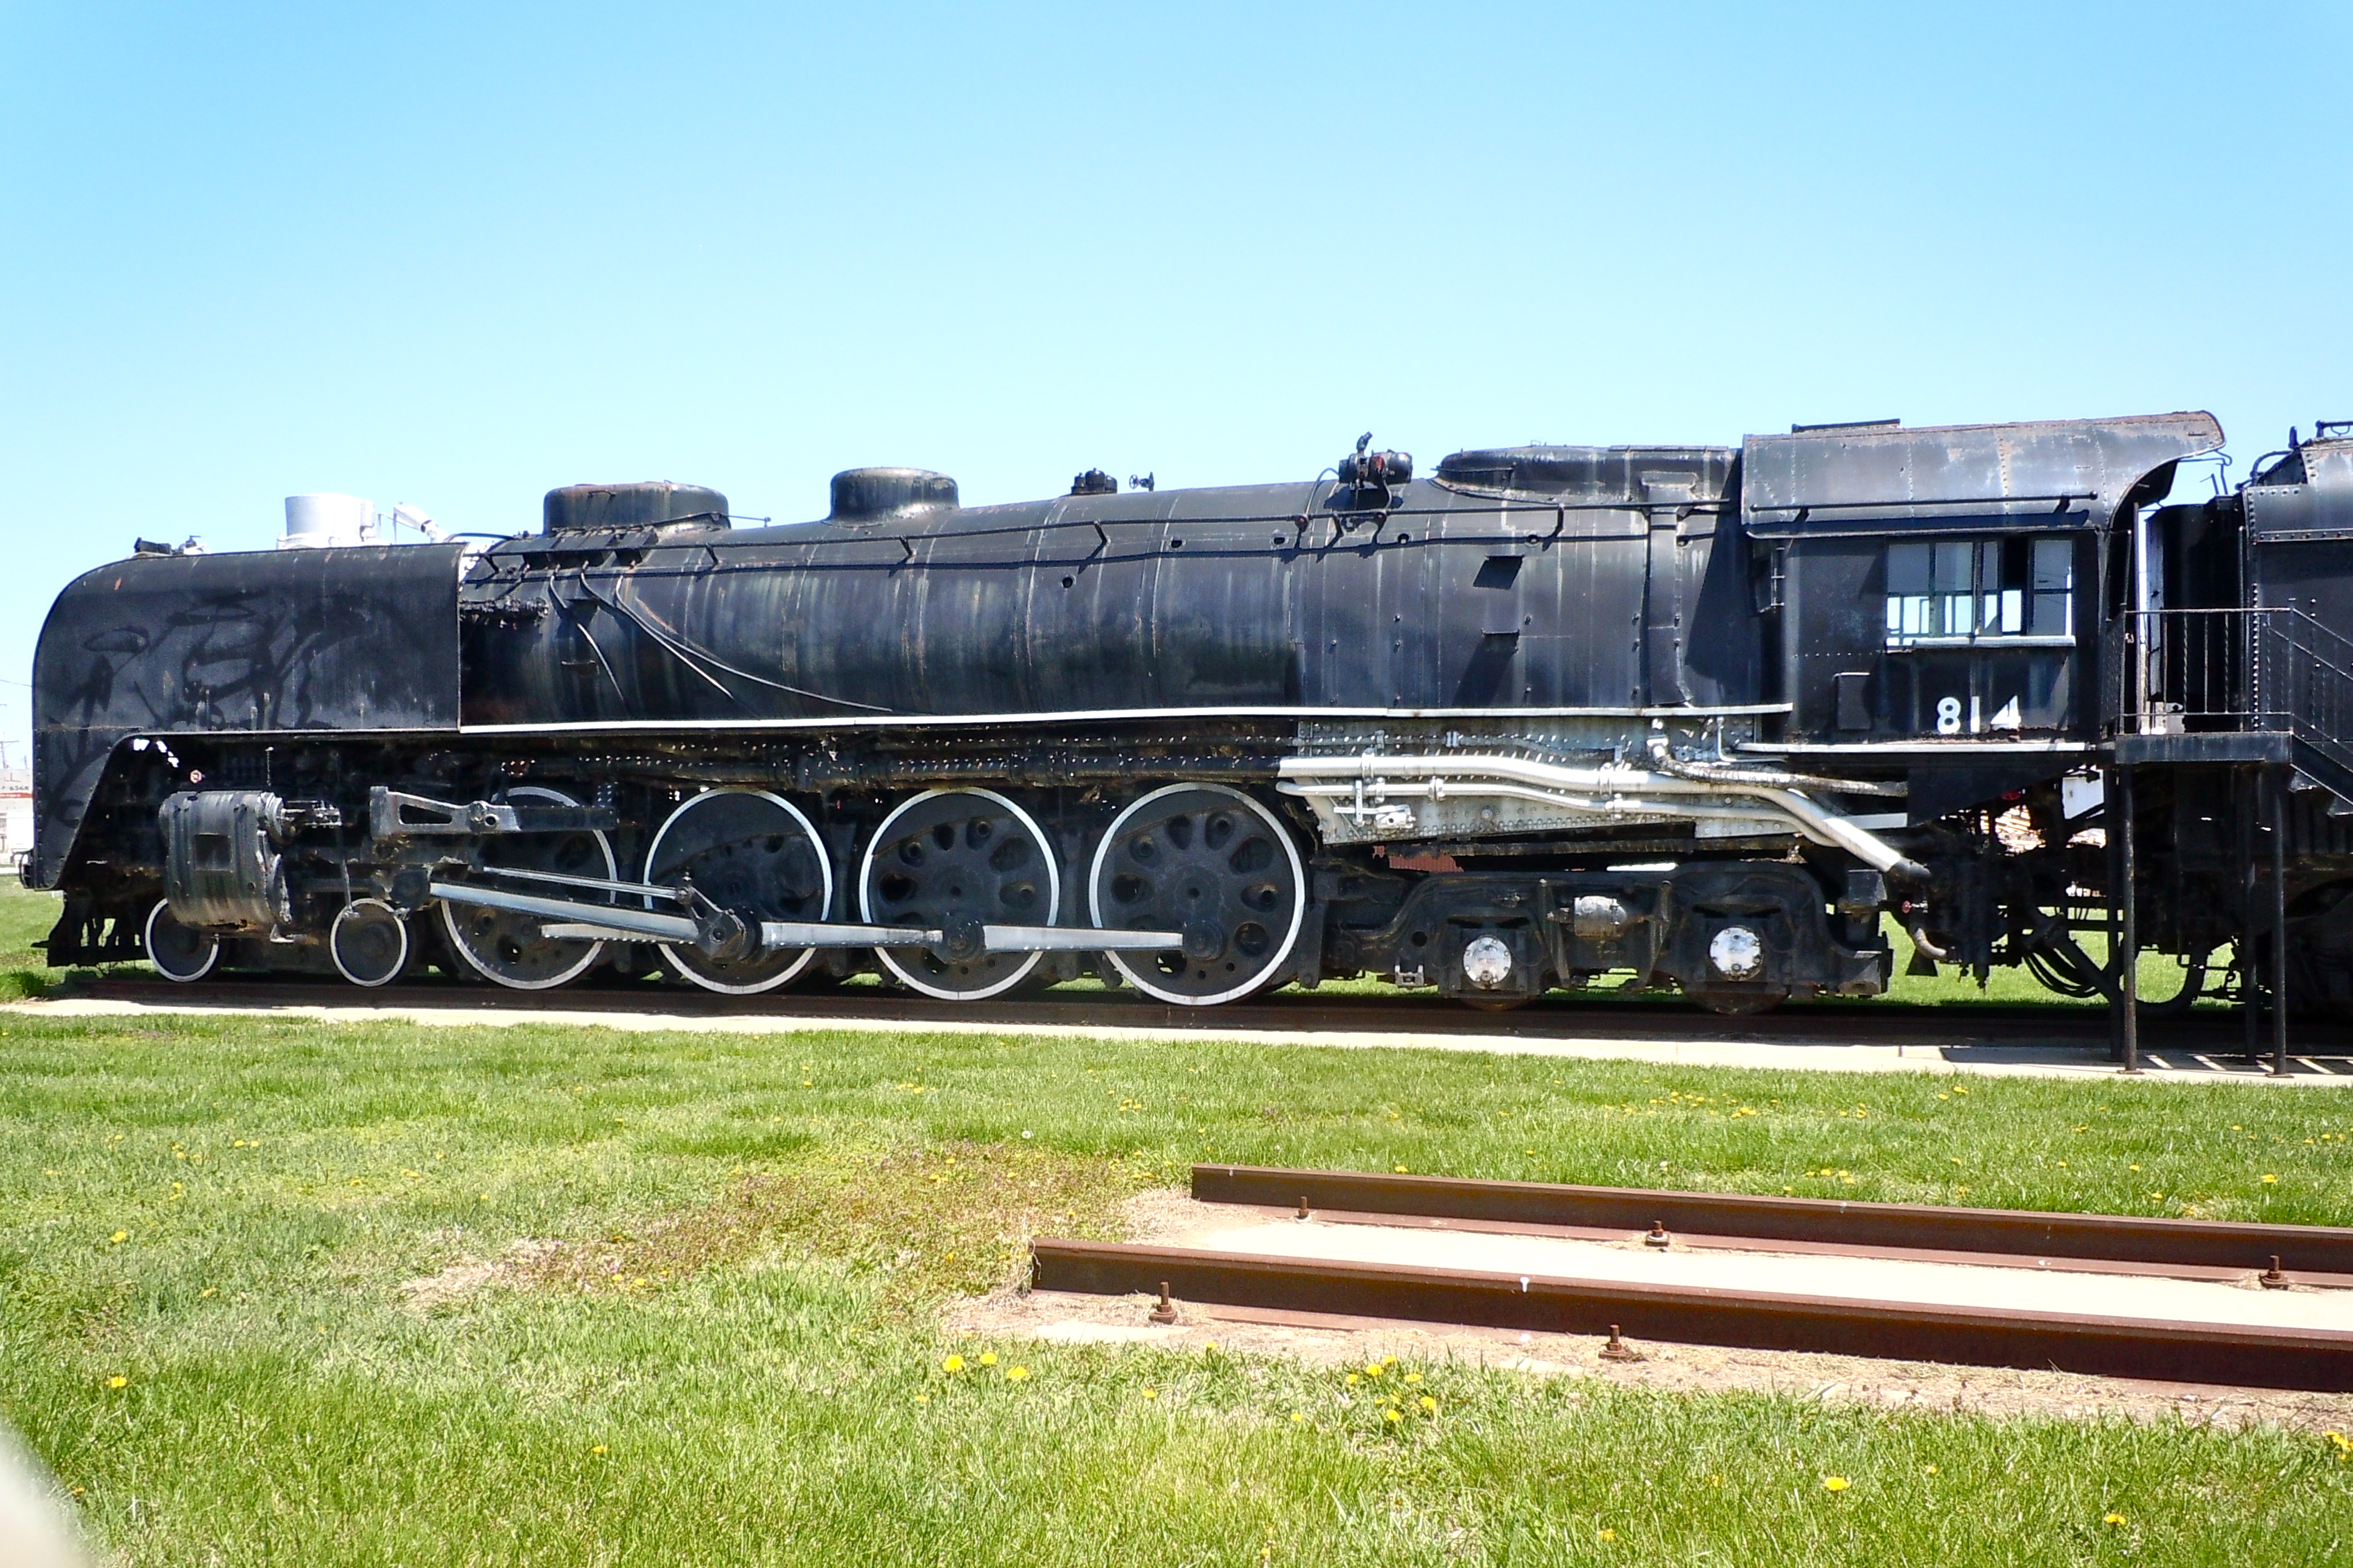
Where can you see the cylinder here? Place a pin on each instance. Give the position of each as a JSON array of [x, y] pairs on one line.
[[318, 521]]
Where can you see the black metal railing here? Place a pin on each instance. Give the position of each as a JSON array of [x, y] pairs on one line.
[[2274, 669]]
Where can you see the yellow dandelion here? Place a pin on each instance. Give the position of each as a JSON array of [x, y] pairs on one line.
[[1016, 1373], [988, 1357], [954, 1363], [1151, 1394], [1427, 1403], [2270, 1180], [120, 1236], [1353, 1380], [1375, 1370], [599, 1449], [1401, 1171], [1392, 1413], [923, 1399], [1835, 1483], [2112, 1518], [116, 1381], [1927, 1469], [1299, 1418], [1605, 1535]]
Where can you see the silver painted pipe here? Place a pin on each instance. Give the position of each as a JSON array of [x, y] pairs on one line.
[[1818, 823]]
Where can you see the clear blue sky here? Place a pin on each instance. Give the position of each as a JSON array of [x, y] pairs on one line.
[[455, 255]]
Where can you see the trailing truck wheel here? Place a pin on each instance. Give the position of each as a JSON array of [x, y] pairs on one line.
[[954, 860], [755, 854], [506, 947], [177, 952], [1214, 864]]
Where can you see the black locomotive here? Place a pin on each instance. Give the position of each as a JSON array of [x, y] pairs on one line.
[[1629, 718]]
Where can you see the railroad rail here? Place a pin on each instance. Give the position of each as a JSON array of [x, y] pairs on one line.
[[2241, 1353]]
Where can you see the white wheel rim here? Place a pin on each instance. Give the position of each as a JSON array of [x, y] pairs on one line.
[[595, 949], [335, 951], [866, 898], [825, 865], [147, 935], [1145, 983]]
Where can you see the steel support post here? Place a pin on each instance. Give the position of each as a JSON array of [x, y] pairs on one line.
[[2279, 806], [2127, 951], [2247, 796]]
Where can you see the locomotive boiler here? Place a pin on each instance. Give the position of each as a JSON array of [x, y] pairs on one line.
[[1696, 718]]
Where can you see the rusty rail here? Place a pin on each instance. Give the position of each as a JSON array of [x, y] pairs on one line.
[[2246, 1356], [2026, 1232]]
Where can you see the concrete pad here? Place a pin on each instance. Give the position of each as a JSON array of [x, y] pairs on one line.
[[1989, 1060], [1848, 1278]]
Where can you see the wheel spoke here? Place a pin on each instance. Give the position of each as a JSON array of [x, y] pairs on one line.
[[507, 947], [753, 853], [1215, 865], [952, 861]]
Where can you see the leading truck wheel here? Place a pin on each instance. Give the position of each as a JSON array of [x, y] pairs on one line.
[[1214, 864], [952, 860], [506, 947], [368, 943], [178, 952], [753, 853]]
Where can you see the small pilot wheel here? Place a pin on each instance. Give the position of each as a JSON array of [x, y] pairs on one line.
[[753, 853], [952, 860], [506, 947], [1215, 865], [369, 943], [176, 952]]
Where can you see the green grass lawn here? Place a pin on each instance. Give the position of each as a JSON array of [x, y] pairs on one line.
[[737, 1358]]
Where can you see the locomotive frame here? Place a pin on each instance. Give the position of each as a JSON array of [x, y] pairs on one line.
[[1639, 718]]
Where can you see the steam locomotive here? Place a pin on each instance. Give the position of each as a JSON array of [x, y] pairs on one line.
[[1629, 718]]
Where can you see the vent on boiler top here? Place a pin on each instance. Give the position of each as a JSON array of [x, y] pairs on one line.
[[867, 495], [654, 504]]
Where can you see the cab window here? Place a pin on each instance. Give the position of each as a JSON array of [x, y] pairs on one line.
[[1980, 590]]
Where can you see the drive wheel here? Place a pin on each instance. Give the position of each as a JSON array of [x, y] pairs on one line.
[[178, 952], [506, 947], [753, 853], [1214, 864], [954, 860]]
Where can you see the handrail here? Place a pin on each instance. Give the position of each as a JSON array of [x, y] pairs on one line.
[[2264, 667]]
